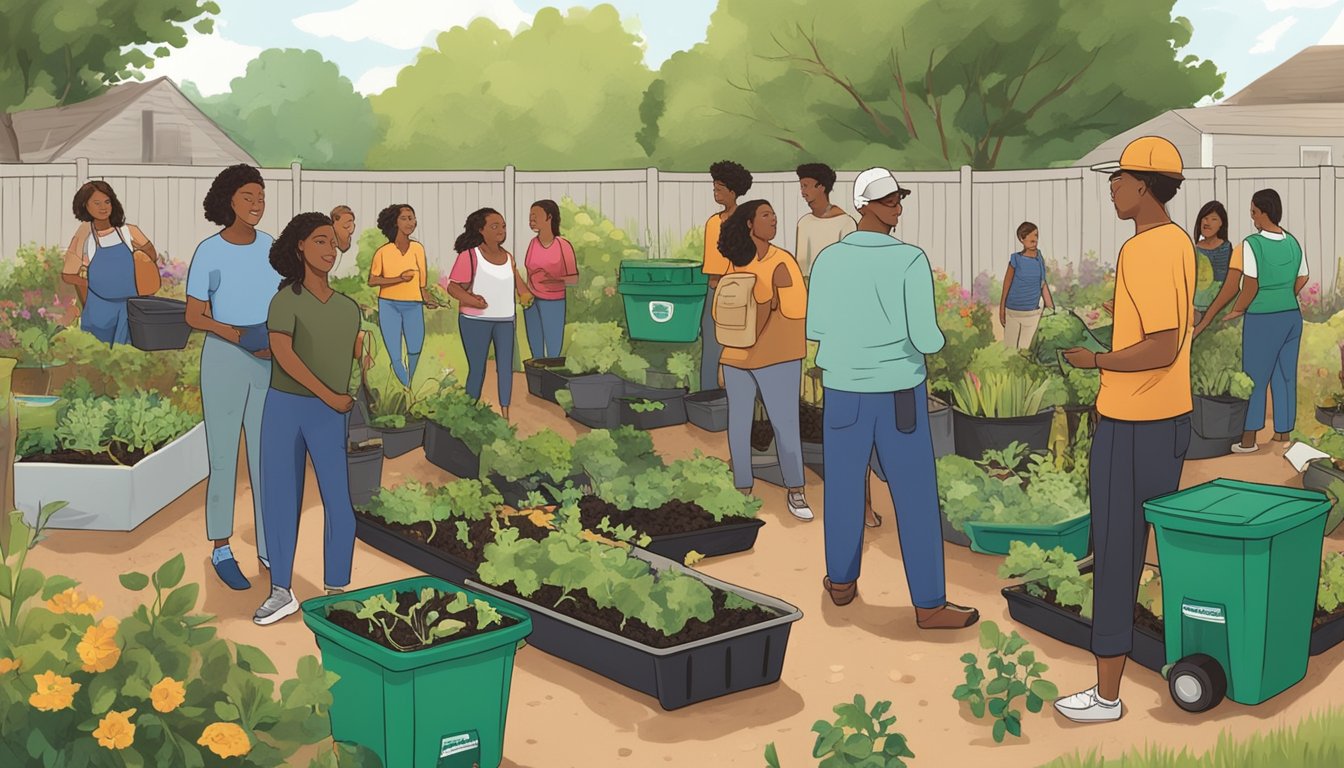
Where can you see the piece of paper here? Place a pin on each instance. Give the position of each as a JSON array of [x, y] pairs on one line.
[[1299, 454]]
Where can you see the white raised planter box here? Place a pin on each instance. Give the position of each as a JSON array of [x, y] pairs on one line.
[[112, 498]]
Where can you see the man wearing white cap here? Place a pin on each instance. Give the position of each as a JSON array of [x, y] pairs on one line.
[[1144, 405], [871, 310]]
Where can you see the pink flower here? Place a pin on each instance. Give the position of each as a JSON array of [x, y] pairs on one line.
[[42, 311], [26, 315]]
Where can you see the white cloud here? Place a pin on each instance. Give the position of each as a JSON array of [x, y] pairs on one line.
[[210, 61], [407, 24], [377, 80], [1268, 40], [1335, 36], [1287, 5]]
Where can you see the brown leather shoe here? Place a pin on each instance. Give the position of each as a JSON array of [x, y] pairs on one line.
[[949, 616], [841, 594]]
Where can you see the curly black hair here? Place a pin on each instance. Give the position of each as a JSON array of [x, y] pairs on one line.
[[471, 231], [81, 203], [735, 241], [821, 173], [218, 202], [731, 175], [387, 220], [285, 257]]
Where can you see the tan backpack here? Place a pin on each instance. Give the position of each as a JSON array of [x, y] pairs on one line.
[[734, 310]]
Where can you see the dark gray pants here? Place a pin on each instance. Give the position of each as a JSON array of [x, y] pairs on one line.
[[710, 348], [1131, 463]]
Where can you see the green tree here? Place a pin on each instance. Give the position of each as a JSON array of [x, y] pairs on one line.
[[927, 84], [564, 93], [58, 53], [292, 105]]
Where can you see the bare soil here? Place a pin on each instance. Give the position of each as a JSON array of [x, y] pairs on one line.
[[124, 457]]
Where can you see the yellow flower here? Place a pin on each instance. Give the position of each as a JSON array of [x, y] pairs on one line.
[[53, 692], [8, 665], [98, 650], [225, 740], [115, 730], [167, 695], [70, 601]]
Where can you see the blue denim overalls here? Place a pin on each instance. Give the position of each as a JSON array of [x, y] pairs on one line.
[[111, 283]]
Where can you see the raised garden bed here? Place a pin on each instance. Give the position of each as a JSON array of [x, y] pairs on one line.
[[649, 408], [545, 377], [976, 434], [739, 649], [676, 528]]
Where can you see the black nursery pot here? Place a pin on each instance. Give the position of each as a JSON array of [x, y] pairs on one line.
[[975, 434], [157, 323]]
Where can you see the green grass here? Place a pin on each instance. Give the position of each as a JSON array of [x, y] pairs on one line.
[[1315, 742]]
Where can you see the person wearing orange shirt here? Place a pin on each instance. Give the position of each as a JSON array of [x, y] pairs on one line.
[[1144, 405], [398, 272], [731, 181]]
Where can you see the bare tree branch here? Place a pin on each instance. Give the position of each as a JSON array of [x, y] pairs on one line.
[[820, 67], [894, 65]]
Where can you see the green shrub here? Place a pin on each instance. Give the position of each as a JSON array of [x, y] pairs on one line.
[[1215, 364], [1017, 674], [858, 738]]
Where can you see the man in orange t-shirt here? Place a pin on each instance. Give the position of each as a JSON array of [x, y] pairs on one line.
[[1144, 405], [731, 181]]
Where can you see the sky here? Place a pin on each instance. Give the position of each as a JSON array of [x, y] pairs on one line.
[[370, 40]]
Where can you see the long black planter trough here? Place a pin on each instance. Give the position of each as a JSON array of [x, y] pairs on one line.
[[710, 542], [450, 454], [157, 323], [679, 676], [416, 554], [1148, 649], [975, 434], [708, 410], [544, 377], [399, 441]]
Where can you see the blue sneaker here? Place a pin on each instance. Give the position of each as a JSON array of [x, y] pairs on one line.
[[227, 569]]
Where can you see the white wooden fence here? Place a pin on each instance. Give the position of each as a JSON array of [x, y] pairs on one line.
[[965, 220]]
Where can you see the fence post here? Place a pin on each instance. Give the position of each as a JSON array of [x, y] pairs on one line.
[[295, 178], [651, 211], [81, 171], [966, 263], [510, 205], [1330, 226]]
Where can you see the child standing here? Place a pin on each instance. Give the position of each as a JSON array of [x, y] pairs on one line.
[[1023, 289]]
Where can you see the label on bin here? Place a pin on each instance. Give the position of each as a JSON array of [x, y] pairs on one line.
[[460, 750], [1209, 613], [660, 311]]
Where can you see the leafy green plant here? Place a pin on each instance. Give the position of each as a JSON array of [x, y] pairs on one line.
[[426, 624], [544, 454], [144, 421], [1215, 364], [967, 327], [470, 499], [998, 395], [685, 366], [475, 423], [1009, 458], [705, 480], [602, 348], [393, 406], [1017, 674], [86, 426], [858, 738], [1330, 590], [1150, 591], [604, 456], [1049, 571], [414, 502], [1041, 493], [647, 406]]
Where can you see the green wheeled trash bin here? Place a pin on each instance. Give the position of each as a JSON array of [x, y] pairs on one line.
[[1240, 565], [664, 299]]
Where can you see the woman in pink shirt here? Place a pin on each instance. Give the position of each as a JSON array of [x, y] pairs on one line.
[[550, 268]]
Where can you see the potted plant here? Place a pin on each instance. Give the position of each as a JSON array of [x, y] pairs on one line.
[[458, 428], [1221, 391], [364, 458], [414, 646], [399, 415], [601, 361], [1003, 398], [116, 461], [638, 619]]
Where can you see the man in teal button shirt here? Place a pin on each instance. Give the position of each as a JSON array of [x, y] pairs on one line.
[[871, 310]]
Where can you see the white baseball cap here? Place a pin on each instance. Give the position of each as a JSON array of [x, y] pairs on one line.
[[875, 184]]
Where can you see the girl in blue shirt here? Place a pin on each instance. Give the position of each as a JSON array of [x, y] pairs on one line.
[[1023, 289]]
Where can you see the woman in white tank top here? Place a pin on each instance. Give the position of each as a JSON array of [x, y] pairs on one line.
[[487, 286]]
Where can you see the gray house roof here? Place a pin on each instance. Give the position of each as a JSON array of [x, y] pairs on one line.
[[1313, 76], [46, 134]]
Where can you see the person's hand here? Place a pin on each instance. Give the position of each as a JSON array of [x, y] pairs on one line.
[[1109, 306], [1233, 315], [262, 354], [231, 334], [1081, 358], [408, 276], [526, 298], [1003, 316], [339, 402], [475, 301], [1050, 304]]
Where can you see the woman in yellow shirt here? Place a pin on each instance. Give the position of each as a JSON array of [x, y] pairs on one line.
[[398, 272]]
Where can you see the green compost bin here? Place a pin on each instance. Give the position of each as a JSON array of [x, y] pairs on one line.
[[664, 299], [1240, 565], [441, 707]]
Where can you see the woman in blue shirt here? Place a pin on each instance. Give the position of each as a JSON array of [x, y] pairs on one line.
[[229, 288], [1023, 289]]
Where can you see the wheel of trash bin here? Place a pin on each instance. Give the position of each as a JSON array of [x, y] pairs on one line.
[[1197, 683]]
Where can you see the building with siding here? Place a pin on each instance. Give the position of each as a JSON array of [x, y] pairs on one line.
[[1291, 116], [133, 123]]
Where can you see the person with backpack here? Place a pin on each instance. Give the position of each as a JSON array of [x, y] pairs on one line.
[[731, 181], [871, 310], [108, 262], [759, 311], [399, 273], [487, 285]]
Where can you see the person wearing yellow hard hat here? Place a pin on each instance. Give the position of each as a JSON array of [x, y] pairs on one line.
[[1144, 404]]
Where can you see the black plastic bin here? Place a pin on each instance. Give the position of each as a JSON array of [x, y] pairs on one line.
[[157, 323], [710, 542], [976, 434], [450, 454], [708, 410], [673, 412]]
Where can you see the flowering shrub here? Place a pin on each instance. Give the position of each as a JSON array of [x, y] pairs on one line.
[[176, 373], [1087, 283], [34, 306], [156, 687], [967, 327], [1319, 304], [173, 276]]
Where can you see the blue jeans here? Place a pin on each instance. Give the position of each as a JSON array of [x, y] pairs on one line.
[[855, 424], [778, 385], [398, 319], [1269, 347], [477, 335], [545, 325], [234, 384], [295, 426]]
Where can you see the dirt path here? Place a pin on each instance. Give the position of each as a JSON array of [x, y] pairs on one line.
[[870, 647]]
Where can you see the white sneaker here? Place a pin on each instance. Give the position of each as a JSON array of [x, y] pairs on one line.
[[1087, 707], [1239, 448], [798, 506], [280, 604]]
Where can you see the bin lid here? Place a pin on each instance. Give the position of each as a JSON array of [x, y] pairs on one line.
[[663, 272], [1232, 509]]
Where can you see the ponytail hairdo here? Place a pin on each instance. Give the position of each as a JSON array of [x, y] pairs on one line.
[[387, 220], [735, 241], [285, 257], [471, 236]]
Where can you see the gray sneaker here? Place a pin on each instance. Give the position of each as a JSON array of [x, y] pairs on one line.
[[798, 506], [280, 604]]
